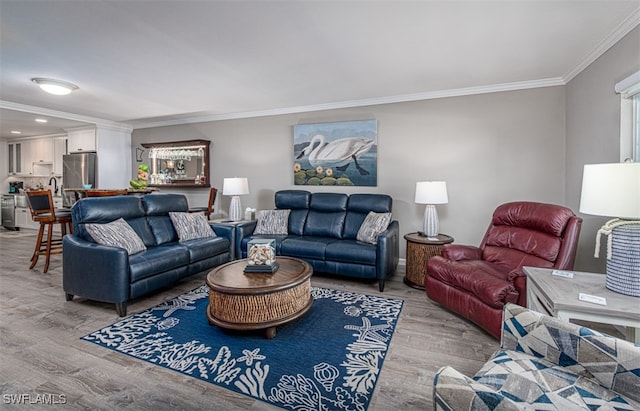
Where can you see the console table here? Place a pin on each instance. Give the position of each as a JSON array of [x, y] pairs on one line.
[[558, 296]]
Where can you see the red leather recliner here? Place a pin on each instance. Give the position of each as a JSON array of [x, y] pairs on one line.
[[476, 282]]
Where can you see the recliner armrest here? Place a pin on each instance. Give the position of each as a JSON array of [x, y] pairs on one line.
[[459, 252]]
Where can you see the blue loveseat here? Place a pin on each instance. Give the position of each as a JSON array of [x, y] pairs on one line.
[[109, 274], [322, 230]]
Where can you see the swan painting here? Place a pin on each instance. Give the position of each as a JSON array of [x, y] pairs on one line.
[[343, 153], [337, 153]]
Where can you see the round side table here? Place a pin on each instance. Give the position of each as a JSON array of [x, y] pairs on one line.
[[419, 250]]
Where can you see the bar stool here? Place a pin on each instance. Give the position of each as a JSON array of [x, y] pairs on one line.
[[209, 208], [43, 211]]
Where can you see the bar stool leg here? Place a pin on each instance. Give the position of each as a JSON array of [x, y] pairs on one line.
[[36, 252], [48, 249]]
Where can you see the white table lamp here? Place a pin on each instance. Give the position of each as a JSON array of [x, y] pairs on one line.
[[613, 190], [235, 187], [431, 193]]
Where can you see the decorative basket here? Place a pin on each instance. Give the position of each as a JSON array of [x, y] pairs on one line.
[[623, 268]]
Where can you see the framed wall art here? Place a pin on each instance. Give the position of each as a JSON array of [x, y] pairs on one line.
[[336, 154]]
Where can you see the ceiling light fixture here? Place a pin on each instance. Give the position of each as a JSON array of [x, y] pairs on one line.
[[16, 132], [57, 87], [42, 120]]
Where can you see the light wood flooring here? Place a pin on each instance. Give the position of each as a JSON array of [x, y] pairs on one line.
[[41, 351]]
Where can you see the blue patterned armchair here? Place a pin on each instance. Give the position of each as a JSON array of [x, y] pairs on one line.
[[546, 363]]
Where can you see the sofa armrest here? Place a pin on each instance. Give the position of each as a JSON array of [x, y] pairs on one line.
[[587, 353], [455, 391], [459, 252], [388, 250], [95, 271], [229, 232], [243, 230]]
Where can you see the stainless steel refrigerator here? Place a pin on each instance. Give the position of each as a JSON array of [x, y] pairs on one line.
[[78, 169]]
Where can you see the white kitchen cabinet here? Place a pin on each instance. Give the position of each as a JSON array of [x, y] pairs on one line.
[[59, 150], [23, 219], [15, 158], [42, 150], [26, 164], [81, 140]]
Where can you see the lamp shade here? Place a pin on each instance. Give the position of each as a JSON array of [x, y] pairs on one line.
[[611, 190], [431, 192], [235, 186]]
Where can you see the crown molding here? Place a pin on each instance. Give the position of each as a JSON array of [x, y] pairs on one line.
[[468, 91], [67, 116], [622, 30]]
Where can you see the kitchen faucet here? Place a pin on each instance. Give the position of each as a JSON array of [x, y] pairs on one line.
[[55, 184]]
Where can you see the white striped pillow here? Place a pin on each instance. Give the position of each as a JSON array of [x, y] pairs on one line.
[[273, 222], [117, 233], [372, 226], [191, 226]]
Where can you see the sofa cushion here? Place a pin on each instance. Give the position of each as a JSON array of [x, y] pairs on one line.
[[191, 226], [372, 226], [157, 260], [358, 208], [203, 248], [298, 202], [272, 222], [116, 234], [326, 216], [351, 251], [163, 230], [102, 210], [306, 247]]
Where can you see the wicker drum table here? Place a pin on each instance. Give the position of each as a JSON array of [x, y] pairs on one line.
[[255, 301], [419, 250]]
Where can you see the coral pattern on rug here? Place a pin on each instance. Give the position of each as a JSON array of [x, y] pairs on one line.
[[330, 359]]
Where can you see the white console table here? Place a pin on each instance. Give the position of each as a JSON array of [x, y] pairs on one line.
[[558, 297]]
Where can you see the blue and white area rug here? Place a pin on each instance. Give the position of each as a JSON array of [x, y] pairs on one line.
[[329, 359]]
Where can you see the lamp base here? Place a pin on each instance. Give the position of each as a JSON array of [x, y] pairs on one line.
[[235, 209], [430, 225], [623, 268]]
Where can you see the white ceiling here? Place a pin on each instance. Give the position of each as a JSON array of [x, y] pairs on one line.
[[148, 63]]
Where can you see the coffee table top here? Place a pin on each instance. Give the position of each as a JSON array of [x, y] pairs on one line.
[[230, 278], [562, 293]]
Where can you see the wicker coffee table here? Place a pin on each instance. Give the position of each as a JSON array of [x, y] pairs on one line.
[[255, 301]]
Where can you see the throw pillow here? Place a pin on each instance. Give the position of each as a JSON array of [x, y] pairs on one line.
[[273, 222], [191, 226], [372, 226], [117, 233]]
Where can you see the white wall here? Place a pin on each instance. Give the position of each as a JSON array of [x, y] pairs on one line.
[[489, 148], [593, 131]]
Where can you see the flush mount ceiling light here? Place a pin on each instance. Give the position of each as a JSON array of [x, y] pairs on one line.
[[57, 87]]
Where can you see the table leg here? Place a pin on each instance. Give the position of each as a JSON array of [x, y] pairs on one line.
[[270, 332]]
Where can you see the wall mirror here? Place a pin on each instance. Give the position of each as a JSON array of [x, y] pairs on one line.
[[184, 163]]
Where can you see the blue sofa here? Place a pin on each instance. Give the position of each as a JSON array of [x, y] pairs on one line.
[[322, 230], [109, 274]]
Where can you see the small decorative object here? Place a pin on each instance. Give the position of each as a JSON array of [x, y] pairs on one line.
[[261, 256], [85, 186], [235, 187], [250, 214], [613, 190], [142, 180], [431, 193]]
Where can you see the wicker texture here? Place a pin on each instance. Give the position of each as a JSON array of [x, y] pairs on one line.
[[417, 257], [259, 308]]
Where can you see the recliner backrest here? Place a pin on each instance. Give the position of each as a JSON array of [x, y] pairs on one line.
[[358, 208], [531, 234], [157, 208], [298, 202], [327, 213]]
